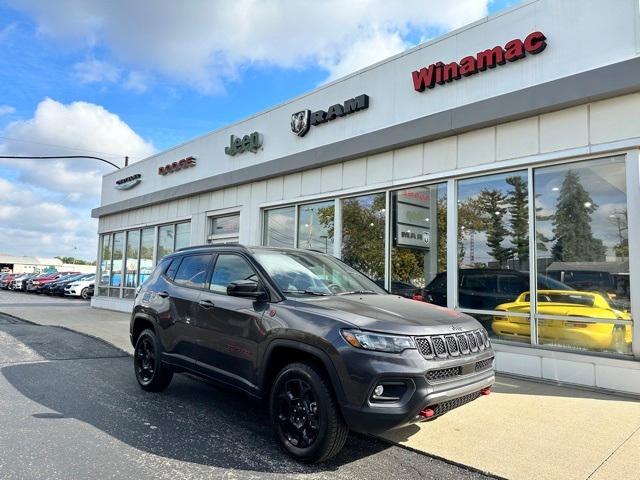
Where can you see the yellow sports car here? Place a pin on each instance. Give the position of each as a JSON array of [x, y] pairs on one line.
[[573, 333]]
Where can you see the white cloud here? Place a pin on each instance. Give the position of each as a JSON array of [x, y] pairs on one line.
[[6, 110], [137, 82], [46, 211], [205, 43], [96, 71]]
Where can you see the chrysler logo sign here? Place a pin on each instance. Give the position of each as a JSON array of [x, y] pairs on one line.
[[128, 182], [301, 121]]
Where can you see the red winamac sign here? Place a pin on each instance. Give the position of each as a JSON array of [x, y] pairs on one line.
[[179, 165], [440, 73]]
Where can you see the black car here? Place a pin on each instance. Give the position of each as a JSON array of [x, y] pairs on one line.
[[323, 344], [57, 287], [486, 288]]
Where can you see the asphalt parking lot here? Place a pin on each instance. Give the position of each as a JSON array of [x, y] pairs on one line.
[[71, 409], [9, 298]]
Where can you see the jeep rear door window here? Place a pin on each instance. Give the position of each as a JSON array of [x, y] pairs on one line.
[[192, 271], [230, 268]]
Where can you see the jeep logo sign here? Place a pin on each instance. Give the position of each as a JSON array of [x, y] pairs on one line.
[[248, 143], [301, 121]]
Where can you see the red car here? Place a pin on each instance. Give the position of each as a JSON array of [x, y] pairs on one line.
[[7, 279], [36, 284]]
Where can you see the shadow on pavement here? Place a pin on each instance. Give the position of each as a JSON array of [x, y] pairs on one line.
[[192, 421]]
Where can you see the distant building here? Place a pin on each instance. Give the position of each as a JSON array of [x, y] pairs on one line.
[[20, 264]]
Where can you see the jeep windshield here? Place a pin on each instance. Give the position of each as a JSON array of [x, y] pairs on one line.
[[306, 273]]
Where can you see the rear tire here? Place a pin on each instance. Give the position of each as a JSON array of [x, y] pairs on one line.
[[305, 415], [150, 372]]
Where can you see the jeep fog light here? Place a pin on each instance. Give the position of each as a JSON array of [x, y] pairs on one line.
[[379, 390]]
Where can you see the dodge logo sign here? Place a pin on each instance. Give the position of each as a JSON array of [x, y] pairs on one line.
[[300, 122]]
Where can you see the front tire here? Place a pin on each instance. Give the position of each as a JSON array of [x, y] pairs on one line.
[[305, 415], [151, 374], [85, 293]]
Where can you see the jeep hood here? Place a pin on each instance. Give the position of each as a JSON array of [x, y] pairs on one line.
[[390, 314]]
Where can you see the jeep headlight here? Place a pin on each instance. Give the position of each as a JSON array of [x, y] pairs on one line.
[[378, 341]]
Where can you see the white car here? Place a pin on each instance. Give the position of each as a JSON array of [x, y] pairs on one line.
[[80, 288]]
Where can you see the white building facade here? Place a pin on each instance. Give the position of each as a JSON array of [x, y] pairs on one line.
[[494, 170]]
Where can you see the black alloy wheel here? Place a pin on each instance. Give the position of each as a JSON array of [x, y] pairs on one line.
[[151, 374], [305, 415], [298, 413]]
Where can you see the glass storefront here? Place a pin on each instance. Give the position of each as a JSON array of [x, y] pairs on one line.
[[419, 238], [315, 226], [555, 234], [279, 227], [127, 258], [363, 228]]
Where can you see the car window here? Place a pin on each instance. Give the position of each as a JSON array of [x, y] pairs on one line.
[[173, 268], [192, 271], [230, 268], [513, 284], [483, 283]]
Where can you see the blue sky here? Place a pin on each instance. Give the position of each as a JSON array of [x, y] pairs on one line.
[[160, 76]]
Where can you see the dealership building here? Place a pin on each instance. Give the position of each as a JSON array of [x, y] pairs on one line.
[[493, 170]]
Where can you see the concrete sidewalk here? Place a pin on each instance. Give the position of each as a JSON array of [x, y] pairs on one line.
[[524, 430]]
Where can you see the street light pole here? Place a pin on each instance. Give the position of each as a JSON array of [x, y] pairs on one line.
[[31, 157]]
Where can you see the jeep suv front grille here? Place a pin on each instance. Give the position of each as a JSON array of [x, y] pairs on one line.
[[484, 364], [443, 373], [444, 407], [445, 346]]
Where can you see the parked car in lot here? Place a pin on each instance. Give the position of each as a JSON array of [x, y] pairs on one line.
[[485, 288], [37, 284], [324, 345], [573, 331], [81, 287], [57, 287], [6, 280], [19, 283]]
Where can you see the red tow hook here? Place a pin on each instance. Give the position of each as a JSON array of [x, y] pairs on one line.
[[485, 391], [426, 413]]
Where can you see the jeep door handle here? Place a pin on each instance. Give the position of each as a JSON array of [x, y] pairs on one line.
[[163, 294], [206, 304]]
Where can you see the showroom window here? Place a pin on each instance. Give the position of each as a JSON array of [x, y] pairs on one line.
[[315, 226], [493, 249], [127, 258], [117, 264], [363, 229], [147, 246], [419, 240], [279, 227], [582, 244], [131, 263], [224, 229]]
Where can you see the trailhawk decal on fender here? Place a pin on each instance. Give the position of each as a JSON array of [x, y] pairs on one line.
[[301, 121]]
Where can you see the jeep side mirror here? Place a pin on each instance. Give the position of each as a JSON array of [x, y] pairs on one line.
[[246, 289]]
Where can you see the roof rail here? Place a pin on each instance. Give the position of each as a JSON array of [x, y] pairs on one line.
[[208, 245]]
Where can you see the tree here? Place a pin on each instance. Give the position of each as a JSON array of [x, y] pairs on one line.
[[470, 221], [518, 209], [492, 204], [362, 233], [574, 240]]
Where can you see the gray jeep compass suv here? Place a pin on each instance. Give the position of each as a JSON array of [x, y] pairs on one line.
[[325, 346]]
